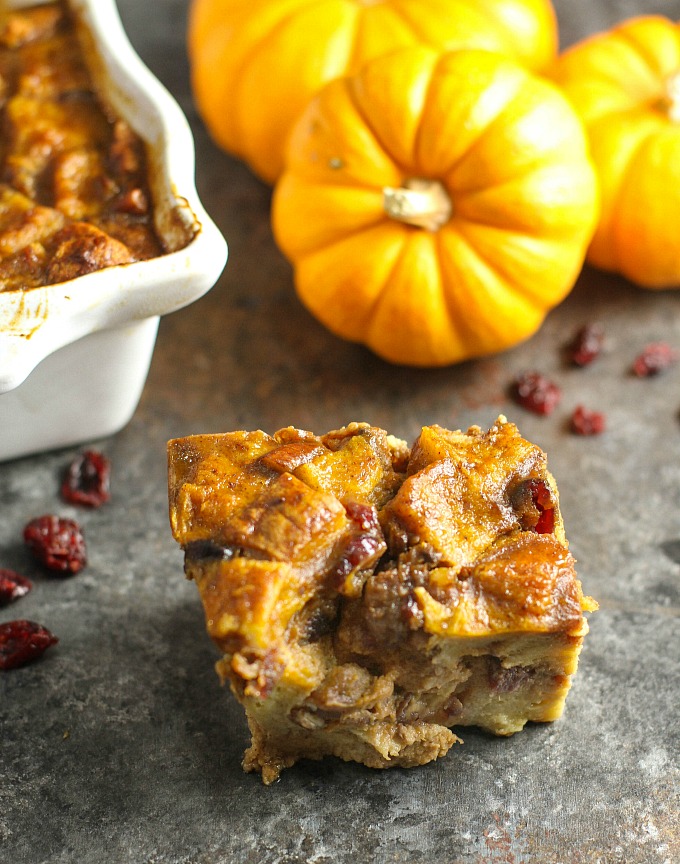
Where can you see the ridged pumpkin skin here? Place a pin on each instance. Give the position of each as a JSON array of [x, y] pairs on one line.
[[256, 63], [625, 84], [501, 146]]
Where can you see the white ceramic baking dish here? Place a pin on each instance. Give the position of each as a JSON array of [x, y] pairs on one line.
[[74, 357]]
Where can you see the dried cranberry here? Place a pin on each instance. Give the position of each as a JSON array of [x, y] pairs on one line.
[[587, 422], [12, 586], [363, 515], [87, 480], [542, 499], [546, 522], [536, 393], [22, 642], [586, 345], [360, 551], [57, 543], [653, 359], [540, 494]]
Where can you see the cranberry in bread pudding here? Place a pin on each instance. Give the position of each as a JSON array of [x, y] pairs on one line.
[[367, 597]]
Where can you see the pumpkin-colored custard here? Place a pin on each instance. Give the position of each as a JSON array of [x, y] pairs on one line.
[[74, 196], [368, 597]]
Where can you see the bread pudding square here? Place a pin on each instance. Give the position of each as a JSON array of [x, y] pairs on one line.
[[367, 598]]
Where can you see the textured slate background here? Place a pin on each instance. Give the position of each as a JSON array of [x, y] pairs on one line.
[[120, 746]]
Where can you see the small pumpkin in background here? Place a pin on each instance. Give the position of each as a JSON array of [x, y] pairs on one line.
[[436, 206], [625, 84], [255, 64]]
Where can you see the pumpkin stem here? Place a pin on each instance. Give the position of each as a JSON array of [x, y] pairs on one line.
[[421, 203], [672, 99]]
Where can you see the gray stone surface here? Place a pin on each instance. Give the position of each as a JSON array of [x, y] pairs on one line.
[[120, 746]]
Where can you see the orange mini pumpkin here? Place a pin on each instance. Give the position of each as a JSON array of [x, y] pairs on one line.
[[625, 84], [436, 206], [256, 64]]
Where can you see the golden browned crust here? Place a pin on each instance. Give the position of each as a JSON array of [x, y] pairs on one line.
[[367, 597]]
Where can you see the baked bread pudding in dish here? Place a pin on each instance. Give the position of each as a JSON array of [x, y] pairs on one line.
[[101, 228], [366, 597], [74, 196]]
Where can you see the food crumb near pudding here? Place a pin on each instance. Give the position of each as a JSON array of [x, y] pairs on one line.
[[74, 191], [369, 597]]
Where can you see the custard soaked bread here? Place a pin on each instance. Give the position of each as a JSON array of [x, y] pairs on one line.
[[366, 597]]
